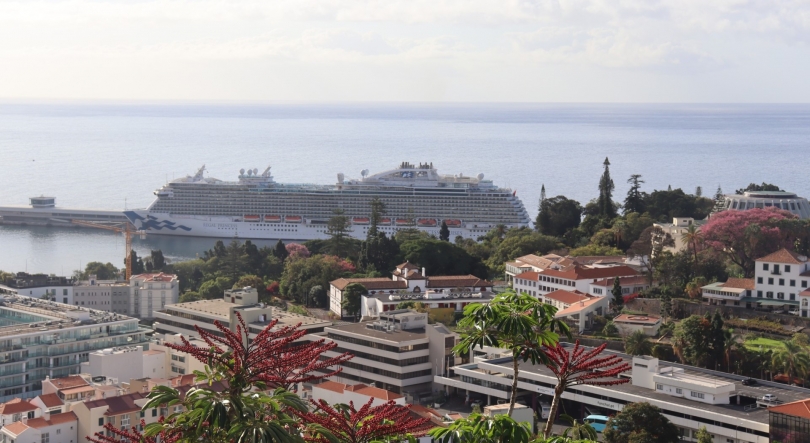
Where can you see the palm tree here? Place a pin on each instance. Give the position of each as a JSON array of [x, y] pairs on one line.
[[729, 345], [637, 343], [678, 345], [578, 430], [791, 359], [693, 238], [517, 322]]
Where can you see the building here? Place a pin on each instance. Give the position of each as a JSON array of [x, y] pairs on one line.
[[175, 362], [400, 352], [804, 303], [43, 339], [689, 397], [521, 413], [676, 230], [120, 411], [98, 294], [630, 286], [406, 282], [572, 278], [455, 300], [182, 318], [121, 363], [576, 308], [151, 292], [779, 279], [58, 289], [534, 263], [787, 201], [333, 393], [628, 324], [56, 428], [790, 422], [18, 409]]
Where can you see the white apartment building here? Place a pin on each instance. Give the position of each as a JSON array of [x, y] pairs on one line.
[[98, 294], [676, 229], [175, 363], [122, 363], [47, 339], [181, 318], [630, 285], [58, 289], [779, 280], [399, 353], [575, 277], [689, 397], [52, 428], [152, 292], [534, 263]]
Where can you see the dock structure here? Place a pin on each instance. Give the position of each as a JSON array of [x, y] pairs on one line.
[[43, 212]]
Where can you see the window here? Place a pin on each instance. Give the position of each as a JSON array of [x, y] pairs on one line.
[[776, 269], [142, 414], [659, 387], [787, 268], [780, 295], [46, 437], [793, 283], [696, 394], [678, 391], [792, 297], [759, 294], [154, 412], [58, 431], [769, 294], [764, 266], [101, 421], [770, 280], [804, 283], [125, 421], [759, 280], [781, 282]]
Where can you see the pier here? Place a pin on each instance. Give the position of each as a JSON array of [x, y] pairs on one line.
[[44, 212]]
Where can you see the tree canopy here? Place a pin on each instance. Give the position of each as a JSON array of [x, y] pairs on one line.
[[640, 423]]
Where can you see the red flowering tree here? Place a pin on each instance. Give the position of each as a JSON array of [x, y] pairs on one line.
[[345, 424], [133, 435], [271, 360], [581, 367], [744, 236], [297, 250]]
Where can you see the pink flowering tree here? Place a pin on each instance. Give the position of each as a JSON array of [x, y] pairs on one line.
[[744, 236], [297, 250]]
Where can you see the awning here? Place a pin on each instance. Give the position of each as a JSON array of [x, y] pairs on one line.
[[773, 302]]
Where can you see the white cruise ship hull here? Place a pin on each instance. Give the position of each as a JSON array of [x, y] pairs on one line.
[[232, 227]]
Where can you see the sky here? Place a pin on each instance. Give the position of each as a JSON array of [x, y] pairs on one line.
[[704, 51]]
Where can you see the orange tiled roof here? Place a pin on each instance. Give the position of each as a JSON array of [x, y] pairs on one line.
[[332, 386], [161, 277], [378, 393], [799, 408], [16, 428], [51, 400], [69, 382], [577, 307], [451, 281], [740, 283], [16, 406], [567, 297], [56, 419], [784, 256]]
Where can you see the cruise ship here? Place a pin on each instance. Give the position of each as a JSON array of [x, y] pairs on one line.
[[257, 207]]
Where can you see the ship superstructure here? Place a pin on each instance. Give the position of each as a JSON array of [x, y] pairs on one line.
[[256, 206]]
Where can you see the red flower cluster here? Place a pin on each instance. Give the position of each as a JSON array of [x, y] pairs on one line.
[[132, 435], [272, 358], [581, 367], [368, 424]]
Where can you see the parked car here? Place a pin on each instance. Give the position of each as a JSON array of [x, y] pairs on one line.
[[597, 422], [749, 382], [544, 409], [769, 398]]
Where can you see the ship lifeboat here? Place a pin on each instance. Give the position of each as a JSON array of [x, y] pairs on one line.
[[426, 222], [385, 221], [251, 218], [272, 218], [360, 220], [292, 219], [403, 222], [453, 223]]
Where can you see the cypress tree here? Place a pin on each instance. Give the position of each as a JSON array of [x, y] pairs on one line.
[[618, 298], [634, 201], [606, 188], [444, 232], [280, 251]]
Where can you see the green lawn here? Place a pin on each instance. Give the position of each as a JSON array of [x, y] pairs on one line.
[[766, 343]]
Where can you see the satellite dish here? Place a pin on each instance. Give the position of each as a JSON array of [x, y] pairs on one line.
[[481, 176], [242, 171]]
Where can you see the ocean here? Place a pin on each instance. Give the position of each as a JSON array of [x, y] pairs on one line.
[[112, 156]]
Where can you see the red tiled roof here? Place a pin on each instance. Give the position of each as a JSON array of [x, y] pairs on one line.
[[533, 260], [805, 293], [784, 256], [16, 428], [644, 319], [51, 400], [567, 297], [740, 283], [634, 280], [529, 275], [332, 386], [407, 265], [117, 405], [376, 283], [69, 382], [56, 419], [378, 393], [156, 277], [799, 408], [16, 406], [580, 273], [452, 281], [591, 259], [577, 307]]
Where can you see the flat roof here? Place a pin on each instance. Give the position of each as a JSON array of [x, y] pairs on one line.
[[783, 392], [436, 297], [55, 316], [220, 308], [394, 336]]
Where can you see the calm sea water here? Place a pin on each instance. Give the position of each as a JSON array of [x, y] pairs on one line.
[[114, 155]]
